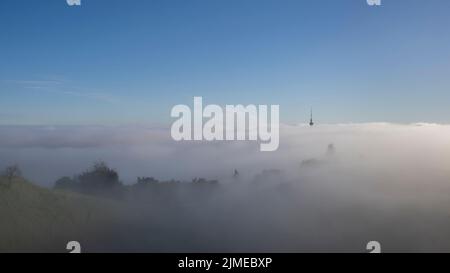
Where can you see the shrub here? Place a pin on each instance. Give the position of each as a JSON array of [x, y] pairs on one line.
[[12, 172]]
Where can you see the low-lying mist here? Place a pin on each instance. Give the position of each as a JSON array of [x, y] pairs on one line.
[[327, 188]]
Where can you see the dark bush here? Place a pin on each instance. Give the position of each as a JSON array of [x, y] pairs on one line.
[[98, 180]]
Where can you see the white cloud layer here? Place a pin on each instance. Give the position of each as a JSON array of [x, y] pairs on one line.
[[137, 151]]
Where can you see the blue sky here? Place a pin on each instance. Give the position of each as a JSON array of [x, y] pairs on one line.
[[128, 62]]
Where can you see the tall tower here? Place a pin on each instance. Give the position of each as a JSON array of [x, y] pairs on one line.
[[311, 123]]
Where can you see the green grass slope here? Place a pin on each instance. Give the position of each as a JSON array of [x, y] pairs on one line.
[[35, 219]]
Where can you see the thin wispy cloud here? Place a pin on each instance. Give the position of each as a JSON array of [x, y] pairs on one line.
[[35, 82], [65, 88]]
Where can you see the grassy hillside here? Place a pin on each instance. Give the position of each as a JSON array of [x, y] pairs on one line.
[[35, 219]]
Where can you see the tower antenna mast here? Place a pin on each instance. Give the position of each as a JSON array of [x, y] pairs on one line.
[[311, 123]]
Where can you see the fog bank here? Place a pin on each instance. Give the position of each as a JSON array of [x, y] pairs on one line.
[[327, 188]]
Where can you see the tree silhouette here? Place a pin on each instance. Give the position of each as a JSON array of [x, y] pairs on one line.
[[99, 178], [12, 172]]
